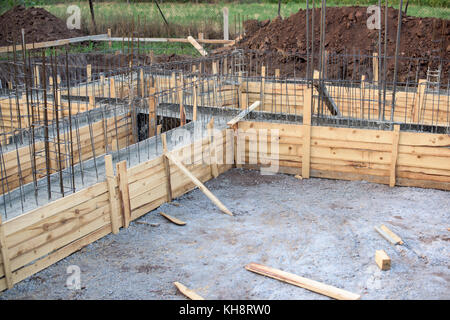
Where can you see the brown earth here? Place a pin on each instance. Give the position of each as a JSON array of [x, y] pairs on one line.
[[39, 25], [347, 33]]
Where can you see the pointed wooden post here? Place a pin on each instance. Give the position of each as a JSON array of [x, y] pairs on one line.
[[394, 154], [194, 116], [113, 196], [121, 169], [306, 127], [109, 36], [263, 85], [375, 67], [420, 95], [181, 101], [198, 183], [166, 168], [89, 73], [151, 112], [212, 149]]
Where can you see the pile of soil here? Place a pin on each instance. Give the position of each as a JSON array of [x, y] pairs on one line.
[[347, 33], [39, 25]]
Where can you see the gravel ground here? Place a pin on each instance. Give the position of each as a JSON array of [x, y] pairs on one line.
[[317, 228]]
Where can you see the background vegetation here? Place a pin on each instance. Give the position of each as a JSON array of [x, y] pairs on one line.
[[190, 17]]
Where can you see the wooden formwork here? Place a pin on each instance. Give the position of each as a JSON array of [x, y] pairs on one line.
[[101, 137], [37, 239], [416, 107], [387, 157]]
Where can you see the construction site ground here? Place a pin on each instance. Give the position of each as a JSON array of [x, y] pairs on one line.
[[316, 228]]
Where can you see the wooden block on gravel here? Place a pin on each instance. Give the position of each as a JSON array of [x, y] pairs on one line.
[[382, 259]]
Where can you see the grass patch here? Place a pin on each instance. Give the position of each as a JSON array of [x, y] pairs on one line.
[[189, 19]]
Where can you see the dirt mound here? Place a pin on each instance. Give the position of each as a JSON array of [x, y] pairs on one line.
[[347, 33], [39, 25]]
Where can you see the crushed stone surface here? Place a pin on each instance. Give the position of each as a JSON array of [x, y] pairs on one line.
[[316, 228]]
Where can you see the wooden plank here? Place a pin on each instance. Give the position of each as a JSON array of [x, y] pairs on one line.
[[5, 257], [395, 237], [25, 220], [187, 292], [302, 282], [173, 219], [181, 40], [197, 182], [382, 260], [394, 155], [55, 43], [113, 196], [424, 139], [37, 234], [197, 46], [351, 134], [60, 254], [121, 169], [385, 235], [243, 113], [83, 226]]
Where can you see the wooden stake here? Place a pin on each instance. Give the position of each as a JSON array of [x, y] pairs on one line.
[[394, 154], [306, 127], [226, 34], [194, 116], [305, 283], [244, 100], [198, 183], [152, 57], [181, 101], [113, 196], [141, 78], [212, 149], [91, 102], [89, 73], [113, 88], [187, 292], [375, 67], [121, 169], [263, 85], [167, 169], [420, 96], [37, 78], [109, 36], [151, 111]]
